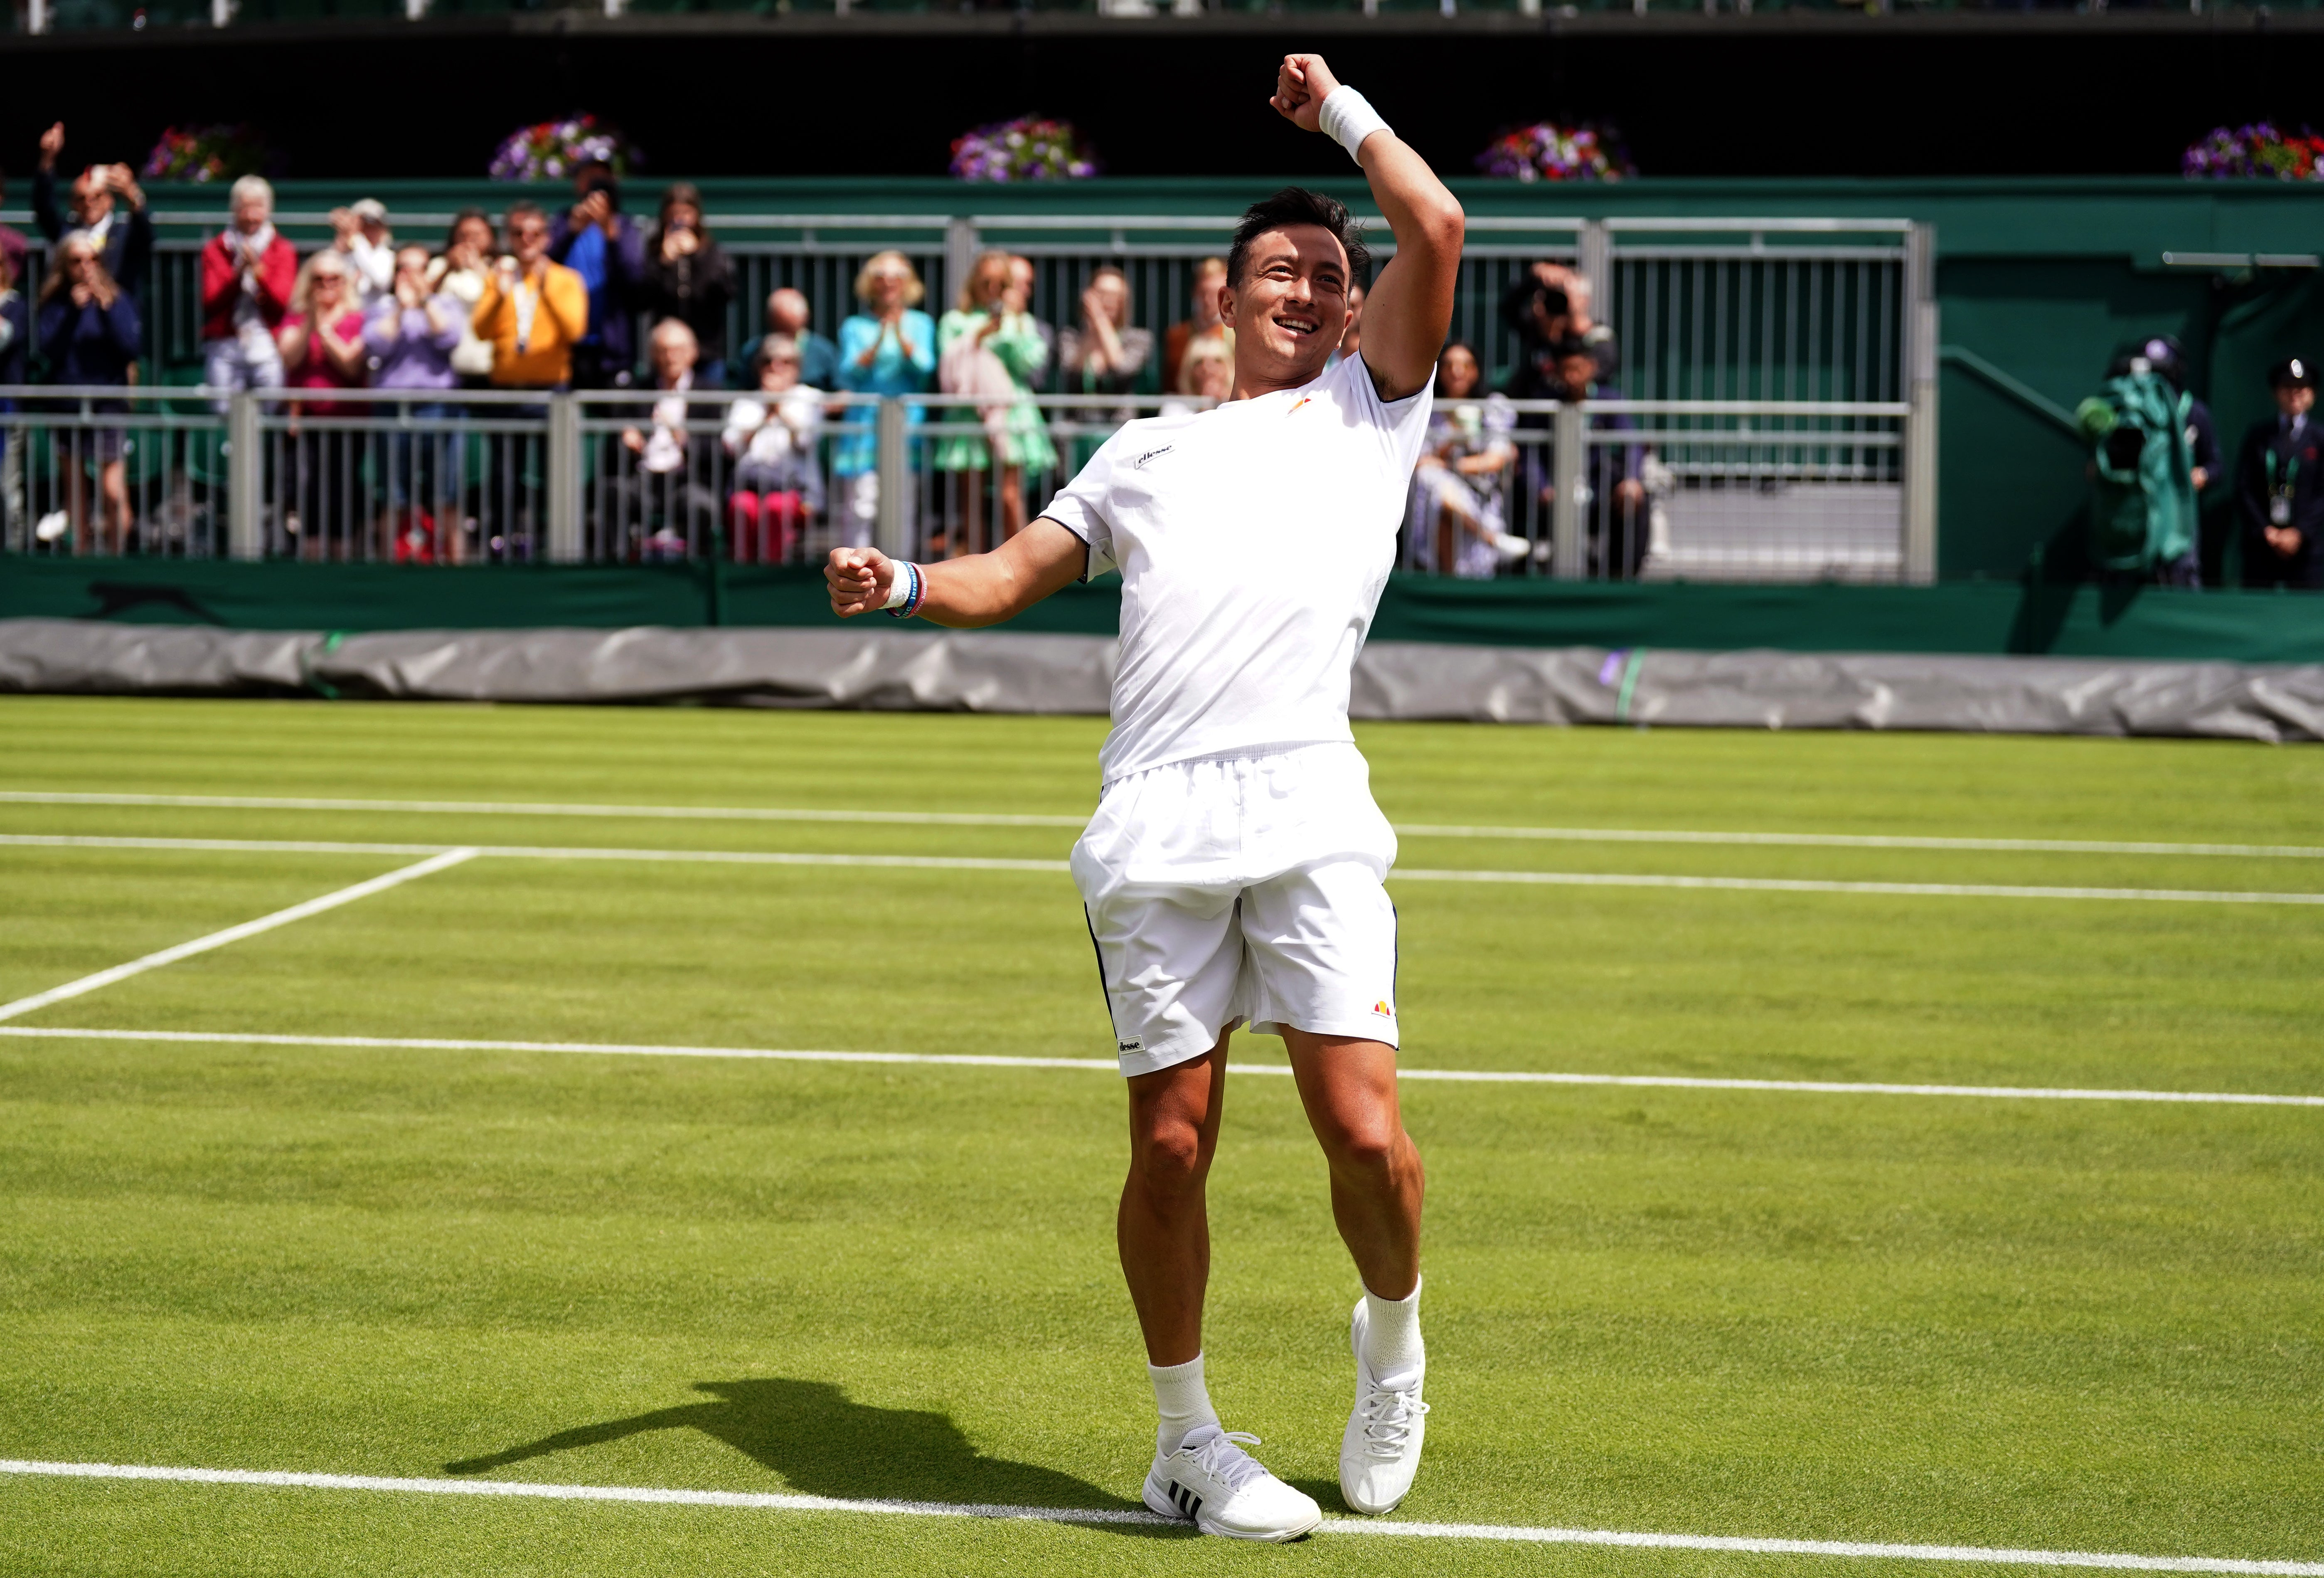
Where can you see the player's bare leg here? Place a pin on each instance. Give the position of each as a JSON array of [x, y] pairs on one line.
[[1164, 1227], [1199, 1470], [1348, 1088]]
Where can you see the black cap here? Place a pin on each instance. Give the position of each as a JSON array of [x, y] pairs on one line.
[[2293, 371]]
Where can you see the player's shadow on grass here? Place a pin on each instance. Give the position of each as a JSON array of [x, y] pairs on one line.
[[823, 1445]]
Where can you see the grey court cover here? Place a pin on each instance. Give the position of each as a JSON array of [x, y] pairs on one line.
[[924, 670]]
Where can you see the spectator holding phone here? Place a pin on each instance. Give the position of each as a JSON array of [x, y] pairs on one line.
[[107, 205], [689, 277], [602, 245], [248, 274], [88, 332]]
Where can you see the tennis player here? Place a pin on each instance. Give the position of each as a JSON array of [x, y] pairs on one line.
[[1232, 872]]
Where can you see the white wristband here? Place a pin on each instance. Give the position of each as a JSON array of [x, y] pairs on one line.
[[899, 587], [1347, 118]]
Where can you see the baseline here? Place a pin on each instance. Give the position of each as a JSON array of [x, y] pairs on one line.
[[1003, 819], [1108, 1066], [232, 934], [769, 1501], [941, 863]]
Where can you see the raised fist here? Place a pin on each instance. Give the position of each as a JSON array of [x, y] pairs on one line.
[[1302, 83]]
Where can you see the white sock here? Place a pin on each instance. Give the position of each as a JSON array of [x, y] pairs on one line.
[[1183, 1401], [1392, 1345]]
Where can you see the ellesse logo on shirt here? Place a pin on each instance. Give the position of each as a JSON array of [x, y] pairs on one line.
[[1152, 454]]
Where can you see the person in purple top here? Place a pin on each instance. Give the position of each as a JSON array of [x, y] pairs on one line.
[[411, 333], [88, 332]]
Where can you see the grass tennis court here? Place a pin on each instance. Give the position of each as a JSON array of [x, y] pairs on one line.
[[2061, 1325]]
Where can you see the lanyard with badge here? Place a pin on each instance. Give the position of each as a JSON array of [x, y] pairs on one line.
[[2279, 493]]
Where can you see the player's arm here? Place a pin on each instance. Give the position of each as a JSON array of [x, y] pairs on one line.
[[977, 589], [1410, 305]]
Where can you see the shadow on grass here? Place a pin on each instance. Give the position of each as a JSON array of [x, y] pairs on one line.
[[823, 1445]]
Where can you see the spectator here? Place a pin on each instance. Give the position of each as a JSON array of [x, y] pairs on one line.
[[689, 277], [602, 245], [534, 312], [16, 339], [1103, 355], [361, 236], [13, 247], [248, 273], [124, 245], [778, 485], [88, 332], [990, 319], [1459, 520], [659, 501], [1207, 374], [789, 313], [1021, 278], [2279, 485], [322, 341], [412, 334], [1614, 515], [1210, 279], [889, 348], [462, 273]]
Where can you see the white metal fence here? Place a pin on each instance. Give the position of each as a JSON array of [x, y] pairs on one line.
[[1773, 395]]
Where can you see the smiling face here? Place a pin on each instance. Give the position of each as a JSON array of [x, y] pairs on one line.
[[251, 214], [1289, 309], [528, 238], [330, 285], [1457, 373]]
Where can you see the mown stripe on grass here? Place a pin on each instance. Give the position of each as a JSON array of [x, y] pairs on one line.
[[234, 934], [768, 1501], [937, 863], [1108, 1066], [1005, 819]]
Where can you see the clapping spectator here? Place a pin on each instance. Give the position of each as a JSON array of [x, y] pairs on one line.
[[88, 332], [248, 274], [412, 334], [990, 320], [1103, 354], [788, 314], [1207, 374], [889, 348], [462, 273], [689, 277], [1459, 521], [606, 249], [323, 348], [771, 435], [360, 234], [534, 311], [661, 502], [99, 195], [1210, 279]]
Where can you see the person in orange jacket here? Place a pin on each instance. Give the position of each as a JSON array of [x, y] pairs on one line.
[[532, 310]]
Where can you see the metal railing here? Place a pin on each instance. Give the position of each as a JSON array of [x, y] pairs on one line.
[[1735, 490]]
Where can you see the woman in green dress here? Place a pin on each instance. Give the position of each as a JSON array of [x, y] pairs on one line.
[[991, 316]]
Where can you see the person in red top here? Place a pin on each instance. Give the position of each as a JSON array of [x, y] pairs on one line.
[[322, 346], [248, 273]]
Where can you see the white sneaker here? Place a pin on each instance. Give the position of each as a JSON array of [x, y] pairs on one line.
[[1225, 1491], [1381, 1451]]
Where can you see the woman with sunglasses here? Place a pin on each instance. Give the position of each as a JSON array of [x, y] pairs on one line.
[[323, 348], [888, 349]]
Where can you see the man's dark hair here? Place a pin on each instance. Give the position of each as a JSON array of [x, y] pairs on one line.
[[1295, 205], [527, 209]]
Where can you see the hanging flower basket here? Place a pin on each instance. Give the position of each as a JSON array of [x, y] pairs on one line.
[[554, 149], [1549, 152], [2258, 150], [206, 153], [1029, 148]]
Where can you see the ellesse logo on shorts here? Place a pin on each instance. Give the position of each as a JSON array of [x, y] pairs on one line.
[[1134, 1043]]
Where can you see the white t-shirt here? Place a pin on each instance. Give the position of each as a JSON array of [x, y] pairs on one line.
[[1253, 541]]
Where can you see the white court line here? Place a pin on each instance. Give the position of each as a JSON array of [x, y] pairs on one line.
[[1000, 820], [982, 864], [232, 934], [1332, 1527], [1108, 1066]]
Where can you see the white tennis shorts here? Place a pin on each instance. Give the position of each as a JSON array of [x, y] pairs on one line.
[[1241, 889]]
